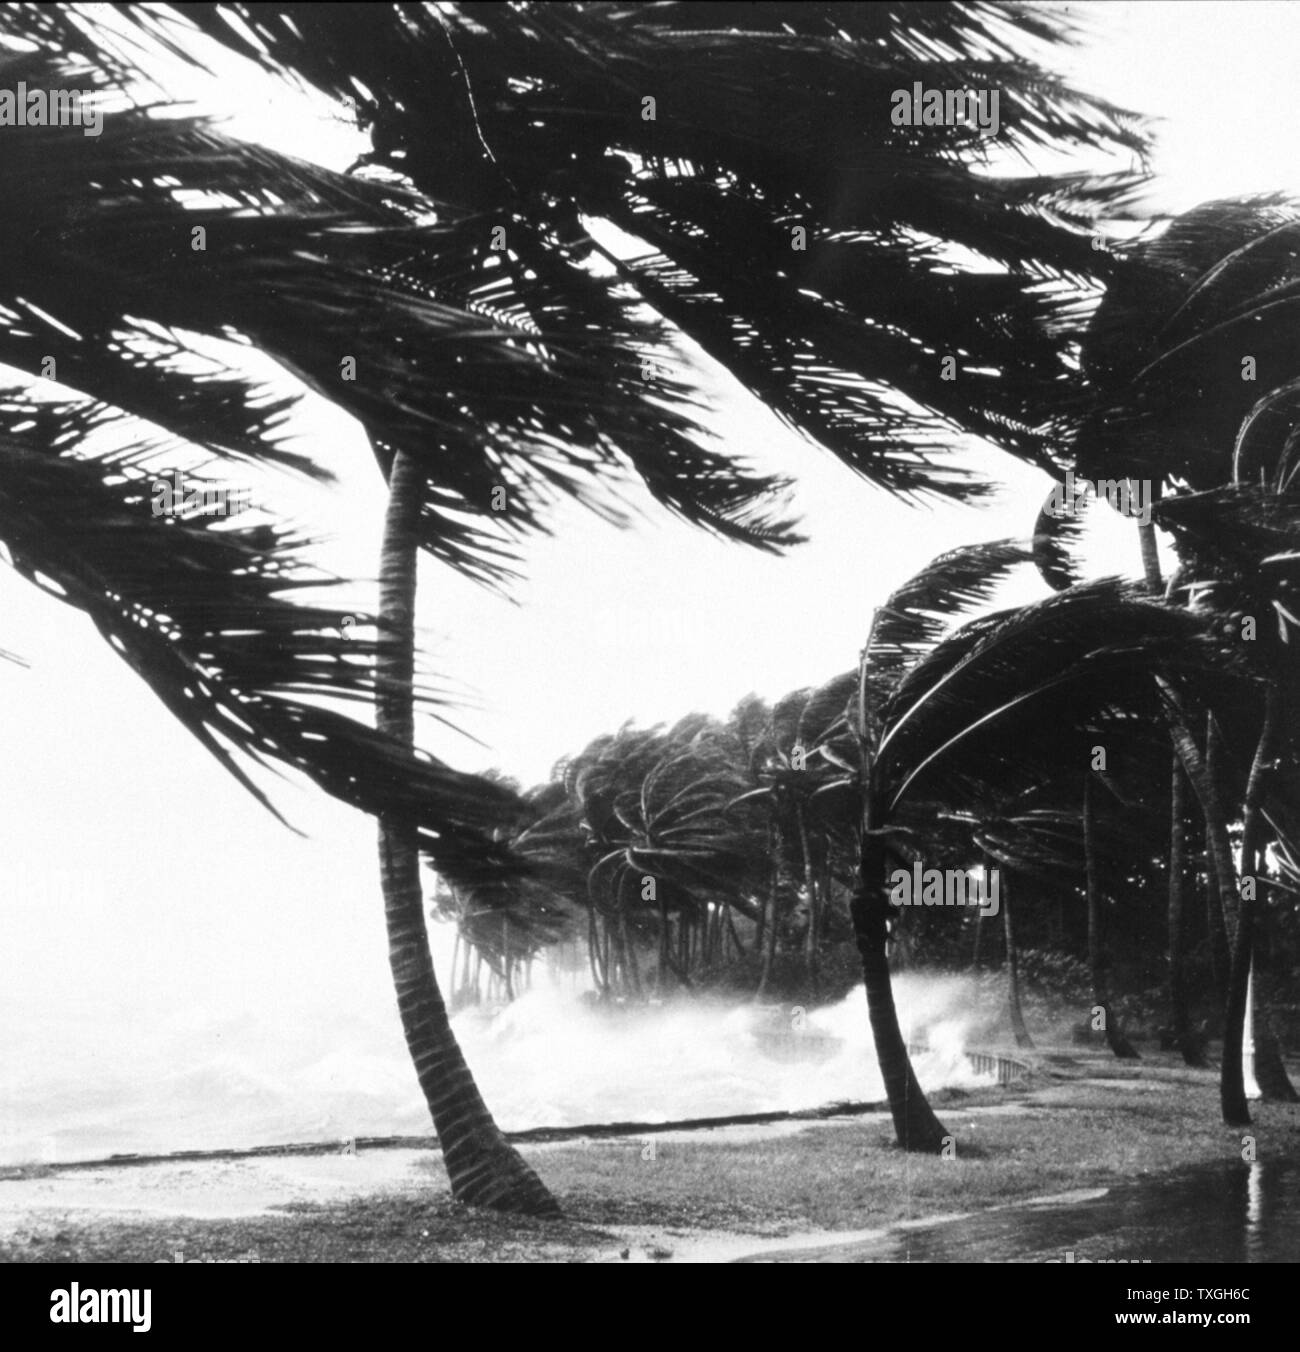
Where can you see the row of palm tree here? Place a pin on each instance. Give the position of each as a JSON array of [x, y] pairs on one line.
[[1037, 740], [676, 853], [715, 138]]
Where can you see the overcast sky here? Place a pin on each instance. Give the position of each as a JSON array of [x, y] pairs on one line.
[[132, 865]]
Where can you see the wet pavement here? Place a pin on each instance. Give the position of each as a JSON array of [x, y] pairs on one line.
[[1229, 1213]]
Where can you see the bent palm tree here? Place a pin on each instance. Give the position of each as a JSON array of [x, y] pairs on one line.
[[90, 266], [1008, 704], [901, 630], [485, 1170]]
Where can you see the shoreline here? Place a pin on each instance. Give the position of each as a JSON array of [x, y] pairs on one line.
[[795, 1187]]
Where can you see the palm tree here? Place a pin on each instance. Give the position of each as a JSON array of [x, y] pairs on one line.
[[510, 921], [679, 846], [1007, 704], [786, 759], [484, 1168], [96, 259], [901, 630], [1034, 835], [1102, 1007], [1018, 1028], [824, 732], [1188, 1045], [1239, 547]]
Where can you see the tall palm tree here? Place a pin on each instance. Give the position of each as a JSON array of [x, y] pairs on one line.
[[1007, 705], [309, 265]]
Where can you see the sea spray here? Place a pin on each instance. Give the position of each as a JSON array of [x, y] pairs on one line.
[[550, 1060], [317, 1068]]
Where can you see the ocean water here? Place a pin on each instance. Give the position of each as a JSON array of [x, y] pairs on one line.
[[94, 1080]]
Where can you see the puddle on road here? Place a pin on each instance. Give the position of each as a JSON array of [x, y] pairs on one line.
[[1228, 1213]]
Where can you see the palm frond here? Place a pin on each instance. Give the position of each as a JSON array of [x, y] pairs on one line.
[[1167, 386], [399, 312], [764, 124], [204, 610], [919, 613]]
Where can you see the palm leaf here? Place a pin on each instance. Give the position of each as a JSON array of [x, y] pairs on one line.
[[775, 118], [203, 610]]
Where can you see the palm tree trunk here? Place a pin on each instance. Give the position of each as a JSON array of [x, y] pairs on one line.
[[1179, 1015], [1013, 969], [618, 961], [1270, 1070], [456, 1001], [1232, 1088], [1218, 908], [760, 922], [606, 950], [769, 924], [1115, 1038], [1201, 772], [662, 972], [1216, 932], [1150, 553], [731, 930], [485, 1170], [598, 971], [810, 885], [506, 963], [915, 1125], [628, 949], [460, 983]]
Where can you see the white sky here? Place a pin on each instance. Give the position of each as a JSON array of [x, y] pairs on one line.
[[132, 866]]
